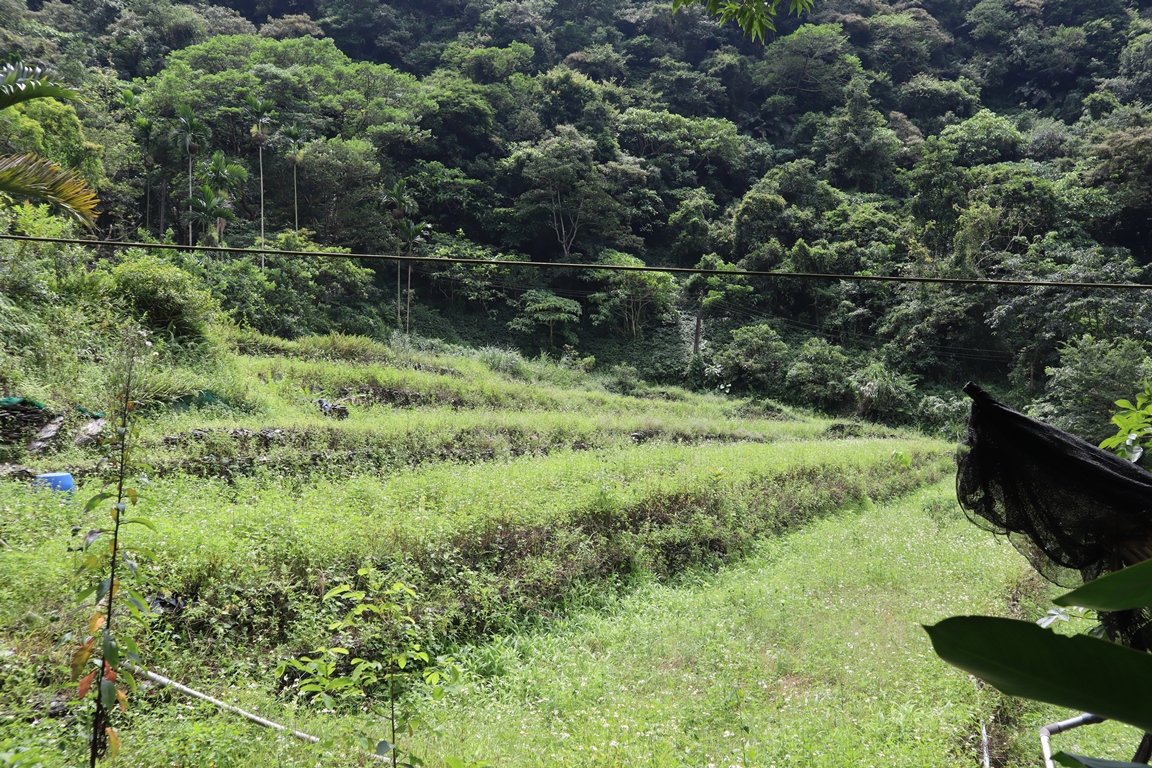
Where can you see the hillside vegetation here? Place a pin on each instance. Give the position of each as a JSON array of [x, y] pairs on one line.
[[528, 515], [984, 139]]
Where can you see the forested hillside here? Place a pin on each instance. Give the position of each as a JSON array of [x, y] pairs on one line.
[[990, 139]]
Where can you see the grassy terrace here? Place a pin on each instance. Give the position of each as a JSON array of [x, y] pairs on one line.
[[414, 409], [610, 597], [807, 651]]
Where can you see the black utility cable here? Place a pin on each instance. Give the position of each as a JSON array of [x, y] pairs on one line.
[[569, 265]]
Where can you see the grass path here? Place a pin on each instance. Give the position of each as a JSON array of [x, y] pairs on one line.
[[809, 653]]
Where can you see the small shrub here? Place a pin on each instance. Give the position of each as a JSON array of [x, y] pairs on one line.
[[505, 361], [756, 360], [943, 417], [819, 377], [246, 341], [882, 394], [168, 299], [623, 378], [340, 346]]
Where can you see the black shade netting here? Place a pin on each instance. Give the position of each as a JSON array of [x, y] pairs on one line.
[[1074, 510]]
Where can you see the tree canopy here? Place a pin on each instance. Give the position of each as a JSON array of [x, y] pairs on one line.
[[981, 140]]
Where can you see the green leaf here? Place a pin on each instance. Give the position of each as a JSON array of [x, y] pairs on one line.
[[1075, 761], [1021, 659], [40, 179], [108, 694], [102, 589], [111, 650], [95, 500], [138, 598], [383, 747], [139, 521], [336, 591], [1127, 588], [19, 82], [132, 651]]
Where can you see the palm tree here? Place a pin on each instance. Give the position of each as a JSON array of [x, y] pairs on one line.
[[188, 133], [410, 233], [224, 176], [212, 210], [146, 140], [295, 156], [32, 176], [401, 201], [261, 112], [402, 206]]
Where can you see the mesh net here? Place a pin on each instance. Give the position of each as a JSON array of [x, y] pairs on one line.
[[1074, 510]]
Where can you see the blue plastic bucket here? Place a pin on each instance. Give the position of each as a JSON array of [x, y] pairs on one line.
[[57, 481]]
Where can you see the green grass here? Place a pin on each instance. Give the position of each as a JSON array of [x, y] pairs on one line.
[[611, 602], [406, 411], [535, 523], [808, 652], [813, 646]]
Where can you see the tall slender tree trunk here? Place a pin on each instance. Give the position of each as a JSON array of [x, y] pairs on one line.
[[262, 243], [163, 202], [295, 201], [699, 327], [190, 198], [148, 200], [408, 312]]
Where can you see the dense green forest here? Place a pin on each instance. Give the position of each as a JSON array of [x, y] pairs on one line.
[[990, 139]]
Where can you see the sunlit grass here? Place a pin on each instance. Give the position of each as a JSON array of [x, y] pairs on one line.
[[809, 652]]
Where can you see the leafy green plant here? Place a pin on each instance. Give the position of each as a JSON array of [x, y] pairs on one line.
[[1134, 426], [102, 578], [1085, 673], [168, 298], [374, 613], [755, 17], [544, 308], [31, 176], [18, 756]]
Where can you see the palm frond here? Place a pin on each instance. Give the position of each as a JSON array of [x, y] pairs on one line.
[[20, 83], [40, 179]]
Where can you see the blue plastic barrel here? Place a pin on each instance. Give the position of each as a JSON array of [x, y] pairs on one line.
[[57, 481]]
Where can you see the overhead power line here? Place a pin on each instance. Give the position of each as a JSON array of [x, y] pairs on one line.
[[603, 267]]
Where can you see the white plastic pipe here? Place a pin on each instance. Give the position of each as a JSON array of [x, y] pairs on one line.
[[243, 713], [1048, 731]]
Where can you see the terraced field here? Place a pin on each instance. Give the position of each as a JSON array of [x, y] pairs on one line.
[[652, 578]]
